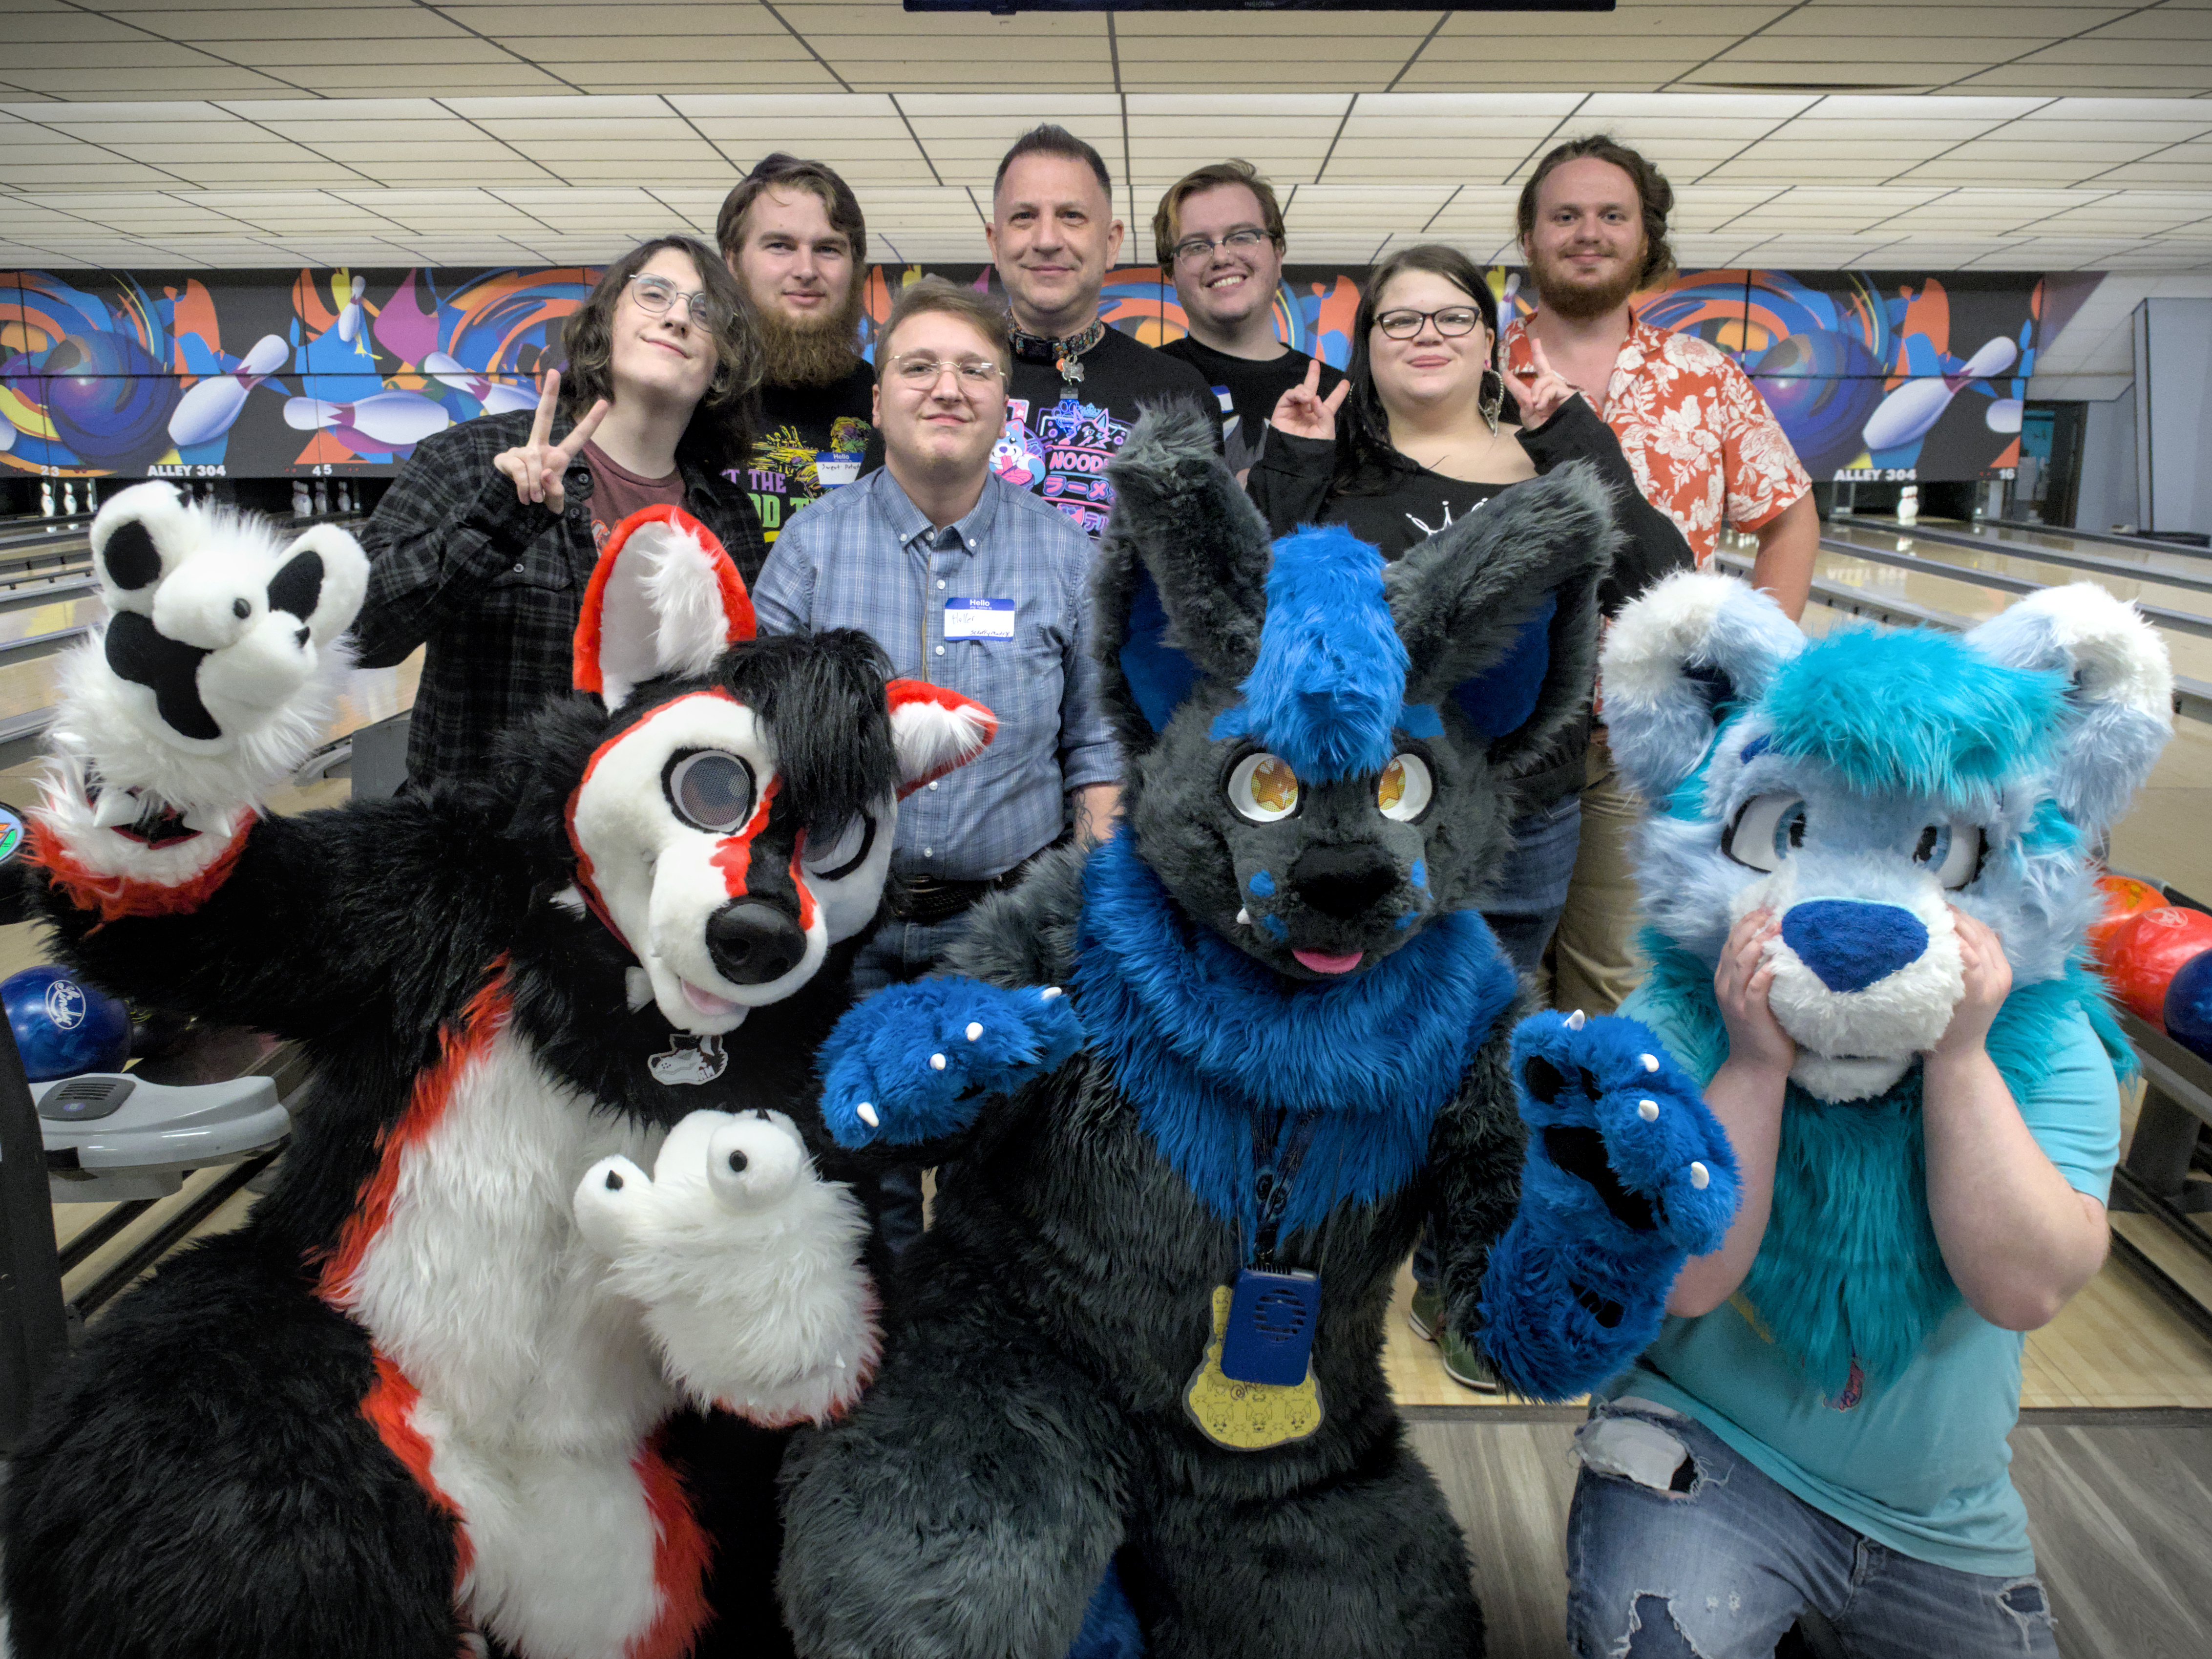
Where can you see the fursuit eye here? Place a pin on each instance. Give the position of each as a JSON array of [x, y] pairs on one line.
[[838, 858], [1263, 788], [1404, 790], [1953, 852], [710, 790], [1768, 829]]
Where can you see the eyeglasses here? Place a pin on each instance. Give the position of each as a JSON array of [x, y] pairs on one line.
[[1451, 322], [1198, 247], [920, 370], [657, 294]]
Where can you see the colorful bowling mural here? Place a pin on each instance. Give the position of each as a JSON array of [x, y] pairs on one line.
[[317, 373]]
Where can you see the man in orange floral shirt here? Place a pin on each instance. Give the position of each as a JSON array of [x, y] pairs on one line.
[[1702, 443]]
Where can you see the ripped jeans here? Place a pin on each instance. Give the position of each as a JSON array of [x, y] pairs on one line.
[[1677, 1548]]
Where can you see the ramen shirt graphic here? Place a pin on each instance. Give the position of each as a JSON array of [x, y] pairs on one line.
[[1065, 457]]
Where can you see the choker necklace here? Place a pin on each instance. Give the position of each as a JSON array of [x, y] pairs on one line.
[[1066, 354]]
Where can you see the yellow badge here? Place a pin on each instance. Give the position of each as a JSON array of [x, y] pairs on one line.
[[1247, 1416]]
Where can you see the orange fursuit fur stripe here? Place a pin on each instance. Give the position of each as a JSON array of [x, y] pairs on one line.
[[389, 1406], [117, 897], [681, 1554]]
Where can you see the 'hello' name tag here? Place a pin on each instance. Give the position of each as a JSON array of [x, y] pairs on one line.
[[979, 619], [832, 469]]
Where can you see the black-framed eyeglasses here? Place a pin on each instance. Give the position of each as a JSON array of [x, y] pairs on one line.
[[1451, 322], [657, 294], [1194, 248], [922, 371]]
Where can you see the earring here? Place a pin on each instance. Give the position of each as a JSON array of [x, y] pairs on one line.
[[1491, 400]]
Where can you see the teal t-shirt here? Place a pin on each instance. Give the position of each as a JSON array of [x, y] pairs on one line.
[[1920, 1463]]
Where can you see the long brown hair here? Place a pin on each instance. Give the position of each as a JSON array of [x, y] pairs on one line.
[[721, 430]]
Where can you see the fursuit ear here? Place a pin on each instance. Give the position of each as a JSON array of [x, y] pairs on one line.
[[664, 598], [137, 537], [1181, 589], [2119, 691], [1498, 611], [1692, 645], [934, 730]]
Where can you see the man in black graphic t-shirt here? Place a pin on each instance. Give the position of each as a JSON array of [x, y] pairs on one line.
[[793, 235], [1219, 232], [1077, 385]]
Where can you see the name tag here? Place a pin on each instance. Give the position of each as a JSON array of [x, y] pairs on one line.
[[979, 619], [832, 468], [1227, 398]]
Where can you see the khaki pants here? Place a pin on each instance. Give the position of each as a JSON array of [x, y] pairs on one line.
[[1593, 962]]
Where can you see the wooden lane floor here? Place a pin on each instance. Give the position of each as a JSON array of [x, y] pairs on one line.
[[2019, 564]]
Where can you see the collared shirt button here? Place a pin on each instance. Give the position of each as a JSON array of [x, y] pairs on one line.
[[929, 852], [932, 783], [940, 587], [940, 650], [518, 567]]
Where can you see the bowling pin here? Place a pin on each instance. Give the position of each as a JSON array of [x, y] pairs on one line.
[[322, 501], [1907, 413], [212, 407], [2004, 414], [496, 399], [349, 319], [46, 499], [69, 501], [1908, 505], [388, 420], [302, 507]]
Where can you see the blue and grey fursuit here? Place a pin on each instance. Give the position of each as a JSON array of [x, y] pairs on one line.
[[1263, 1027]]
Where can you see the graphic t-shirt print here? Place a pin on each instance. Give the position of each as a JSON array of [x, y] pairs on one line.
[[1068, 452]]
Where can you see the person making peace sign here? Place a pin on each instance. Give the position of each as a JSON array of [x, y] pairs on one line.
[[484, 543]]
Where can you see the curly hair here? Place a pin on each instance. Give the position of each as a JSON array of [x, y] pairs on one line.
[[1653, 193], [721, 426]]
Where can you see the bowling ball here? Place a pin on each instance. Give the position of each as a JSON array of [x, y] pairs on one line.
[[109, 399], [2189, 1005], [64, 1025], [2146, 951], [2124, 897], [1822, 386]]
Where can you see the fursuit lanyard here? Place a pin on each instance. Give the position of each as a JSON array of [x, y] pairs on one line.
[[1279, 1144]]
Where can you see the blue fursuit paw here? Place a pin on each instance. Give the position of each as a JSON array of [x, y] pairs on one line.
[[1627, 1175], [917, 1061]]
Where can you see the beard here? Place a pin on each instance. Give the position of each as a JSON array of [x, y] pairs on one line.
[[1558, 293], [815, 352]]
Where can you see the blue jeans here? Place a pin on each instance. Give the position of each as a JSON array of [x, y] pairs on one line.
[[898, 953], [1531, 891], [1677, 1548]]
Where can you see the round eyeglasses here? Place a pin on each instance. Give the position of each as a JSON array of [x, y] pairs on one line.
[[657, 294], [920, 371], [1451, 322], [1198, 247]]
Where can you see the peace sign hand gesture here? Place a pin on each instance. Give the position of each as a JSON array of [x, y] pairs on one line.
[[1547, 391], [538, 466], [1303, 412]]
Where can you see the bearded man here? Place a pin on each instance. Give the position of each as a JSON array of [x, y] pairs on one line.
[[1704, 449], [793, 235]]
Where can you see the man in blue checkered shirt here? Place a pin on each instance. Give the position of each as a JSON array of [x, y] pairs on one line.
[[965, 581]]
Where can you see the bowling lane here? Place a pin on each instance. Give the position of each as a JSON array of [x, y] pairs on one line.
[[2017, 560], [2030, 537], [1958, 596]]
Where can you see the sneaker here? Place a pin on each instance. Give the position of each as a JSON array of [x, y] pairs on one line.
[[1462, 1363]]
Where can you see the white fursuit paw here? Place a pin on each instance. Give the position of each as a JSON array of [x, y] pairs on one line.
[[747, 1264], [220, 663]]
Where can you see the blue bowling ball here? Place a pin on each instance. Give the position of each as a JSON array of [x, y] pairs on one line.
[[1822, 387], [64, 1025], [2189, 1005]]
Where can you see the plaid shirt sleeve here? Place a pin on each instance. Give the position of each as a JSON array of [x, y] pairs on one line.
[[494, 586]]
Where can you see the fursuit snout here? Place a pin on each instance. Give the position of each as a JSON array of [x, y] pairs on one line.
[[1867, 970]]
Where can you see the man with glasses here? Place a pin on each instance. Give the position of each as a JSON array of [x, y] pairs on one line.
[[966, 581], [1077, 385], [793, 235], [1218, 233]]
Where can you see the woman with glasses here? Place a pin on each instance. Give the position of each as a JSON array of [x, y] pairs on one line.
[[484, 543]]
